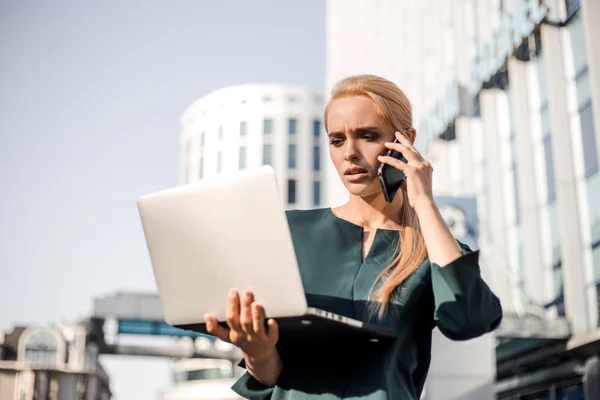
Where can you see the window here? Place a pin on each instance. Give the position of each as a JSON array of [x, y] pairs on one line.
[[516, 189], [316, 193], [292, 156], [219, 161], [243, 128], [572, 6], [573, 391], [316, 159], [316, 128], [268, 126], [291, 197], [242, 160], [554, 233], [41, 350], [212, 373], [588, 138], [292, 126], [596, 262], [267, 154], [593, 191], [545, 117], [220, 133], [551, 189], [201, 172], [202, 374]]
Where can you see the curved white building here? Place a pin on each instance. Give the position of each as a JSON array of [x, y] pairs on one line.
[[202, 379], [255, 124]]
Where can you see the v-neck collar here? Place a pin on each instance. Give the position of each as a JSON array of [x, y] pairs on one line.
[[376, 245]]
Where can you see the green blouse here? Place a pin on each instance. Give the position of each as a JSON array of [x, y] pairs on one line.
[[329, 252]]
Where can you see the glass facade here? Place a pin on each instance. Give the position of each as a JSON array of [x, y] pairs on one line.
[[548, 207]]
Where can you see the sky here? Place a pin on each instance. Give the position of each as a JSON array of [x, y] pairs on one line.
[[90, 99]]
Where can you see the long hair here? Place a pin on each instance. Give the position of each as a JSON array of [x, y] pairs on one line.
[[394, 107]]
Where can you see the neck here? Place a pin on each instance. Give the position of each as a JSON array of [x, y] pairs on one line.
[[374, 212]]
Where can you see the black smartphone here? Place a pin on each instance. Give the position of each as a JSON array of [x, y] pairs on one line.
[[391, 178]]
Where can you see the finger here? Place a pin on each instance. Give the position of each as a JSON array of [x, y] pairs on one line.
[[405, 141], [407, 153], [213, 328], [408, 144], [246, 312], [233, 311], [394, 162], [258, 320], [273, 332], [399, 147]]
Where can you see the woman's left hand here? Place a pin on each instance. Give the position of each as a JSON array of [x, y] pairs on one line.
[[418, 171]]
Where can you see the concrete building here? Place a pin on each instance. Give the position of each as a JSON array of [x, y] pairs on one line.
[[51, 363], [255, 124], [506, 98]]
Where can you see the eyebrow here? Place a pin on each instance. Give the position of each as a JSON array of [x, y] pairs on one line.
[[361, 129]]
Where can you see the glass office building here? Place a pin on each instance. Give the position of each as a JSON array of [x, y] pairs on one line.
[[506, 102]]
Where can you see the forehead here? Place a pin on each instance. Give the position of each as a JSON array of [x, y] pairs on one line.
[[349, 113]]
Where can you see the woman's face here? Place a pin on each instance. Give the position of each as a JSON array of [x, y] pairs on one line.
[[356, 137]]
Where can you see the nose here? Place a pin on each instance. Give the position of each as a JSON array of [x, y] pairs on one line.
[[351, 153]]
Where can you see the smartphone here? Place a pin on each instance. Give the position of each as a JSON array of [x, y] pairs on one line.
[[391, 178]]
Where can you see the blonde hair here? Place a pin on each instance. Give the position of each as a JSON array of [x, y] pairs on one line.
[[394, 107]]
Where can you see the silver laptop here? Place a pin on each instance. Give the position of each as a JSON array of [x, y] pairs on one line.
[[210, 236]]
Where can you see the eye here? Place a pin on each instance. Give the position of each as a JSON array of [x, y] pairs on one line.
[[370, 137], [337, 142]]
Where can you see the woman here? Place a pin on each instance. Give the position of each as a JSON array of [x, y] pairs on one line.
[[393, 264]]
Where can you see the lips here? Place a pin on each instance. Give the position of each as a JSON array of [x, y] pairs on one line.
[[355, 171], [356, 174]]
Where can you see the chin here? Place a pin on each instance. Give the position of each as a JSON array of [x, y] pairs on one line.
[[363, 189]]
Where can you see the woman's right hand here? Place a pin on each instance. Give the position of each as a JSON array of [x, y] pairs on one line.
[[246, 328]]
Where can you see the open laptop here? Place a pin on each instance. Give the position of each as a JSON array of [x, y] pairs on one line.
[[210, 236]]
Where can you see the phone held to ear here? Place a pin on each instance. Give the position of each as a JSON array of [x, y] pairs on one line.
[[391, 178]]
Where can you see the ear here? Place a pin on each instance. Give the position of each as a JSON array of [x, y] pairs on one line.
[[412, 134]]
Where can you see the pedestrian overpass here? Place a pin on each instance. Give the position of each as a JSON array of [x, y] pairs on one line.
[[140, 314]]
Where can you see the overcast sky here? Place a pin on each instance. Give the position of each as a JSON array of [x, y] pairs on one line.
[[90, 98]]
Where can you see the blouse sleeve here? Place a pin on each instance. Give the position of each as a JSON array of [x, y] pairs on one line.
[[251, 388], [465, 306]]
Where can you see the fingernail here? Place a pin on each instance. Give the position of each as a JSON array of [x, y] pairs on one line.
[[232, 293]]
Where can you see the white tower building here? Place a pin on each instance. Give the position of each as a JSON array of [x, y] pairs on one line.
[[241, 127], [255, 124]]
